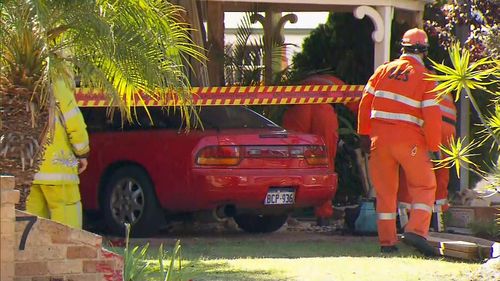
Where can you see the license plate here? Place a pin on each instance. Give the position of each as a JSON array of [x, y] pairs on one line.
[[280, 196]]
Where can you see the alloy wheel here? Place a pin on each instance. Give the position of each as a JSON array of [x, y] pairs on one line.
[[127, 201]]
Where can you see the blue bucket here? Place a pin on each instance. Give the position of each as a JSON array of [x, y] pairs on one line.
[[366, 223]]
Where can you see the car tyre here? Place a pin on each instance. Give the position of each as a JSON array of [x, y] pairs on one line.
[[253, 223], [129, 197]]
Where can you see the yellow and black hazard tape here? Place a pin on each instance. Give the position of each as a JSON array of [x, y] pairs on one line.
[[243, 95]]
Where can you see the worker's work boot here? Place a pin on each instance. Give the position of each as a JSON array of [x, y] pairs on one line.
[[388, 249], [419, 243]]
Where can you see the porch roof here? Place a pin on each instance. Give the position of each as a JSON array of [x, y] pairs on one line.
[[316, 5]]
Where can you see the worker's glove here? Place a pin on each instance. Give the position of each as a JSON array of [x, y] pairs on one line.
[[365, 143], [434, 155]]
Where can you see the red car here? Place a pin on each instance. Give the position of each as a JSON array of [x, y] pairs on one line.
[[240, 165]]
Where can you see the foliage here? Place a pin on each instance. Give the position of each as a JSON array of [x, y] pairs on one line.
[[124, 47], [332, 47], [487, 229], [481, 15], [243, 63], [244, 60], [465, 74], [474, 22], [456, 154], [468, 75], [22, 67], [23, 54], [138, 266], [350, 187]]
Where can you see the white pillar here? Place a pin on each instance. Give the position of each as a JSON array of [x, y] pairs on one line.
[[383, 49], [381, 36]]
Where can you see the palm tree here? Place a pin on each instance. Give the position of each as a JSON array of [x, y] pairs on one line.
[[124, 47]]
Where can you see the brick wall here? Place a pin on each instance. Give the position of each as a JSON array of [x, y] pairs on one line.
[[8, 198], [44, 250]]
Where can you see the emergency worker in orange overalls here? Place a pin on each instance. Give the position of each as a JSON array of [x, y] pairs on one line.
[[321, 120], [399, 125], [448, 131]]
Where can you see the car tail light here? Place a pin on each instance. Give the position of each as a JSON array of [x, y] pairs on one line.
[[313, 154], [231, 155], [219, 156], [316, 155]]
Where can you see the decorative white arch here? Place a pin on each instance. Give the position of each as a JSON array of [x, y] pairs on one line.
[[381, 36], [362, 11]]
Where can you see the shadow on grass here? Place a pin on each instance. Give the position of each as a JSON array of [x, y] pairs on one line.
[[264, 248], [264, 262], [265, 259], [222, 271]]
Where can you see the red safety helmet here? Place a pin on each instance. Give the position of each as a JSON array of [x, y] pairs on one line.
[[415, 38]]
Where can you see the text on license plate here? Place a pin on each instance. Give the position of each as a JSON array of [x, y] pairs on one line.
[[280, 196]]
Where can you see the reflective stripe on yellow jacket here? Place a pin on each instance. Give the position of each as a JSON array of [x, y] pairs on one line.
[[70, 140]]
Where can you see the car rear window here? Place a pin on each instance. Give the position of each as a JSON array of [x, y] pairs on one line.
[[233, 117], [212, 117], [102, 119]]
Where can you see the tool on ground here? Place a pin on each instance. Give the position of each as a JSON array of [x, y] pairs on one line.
[[437, 219], [366, 222], [464, 246], [403, 209]]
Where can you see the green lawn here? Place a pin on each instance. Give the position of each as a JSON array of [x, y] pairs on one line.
[[261, 259]]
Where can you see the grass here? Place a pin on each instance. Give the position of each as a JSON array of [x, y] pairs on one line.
[[262, 259]]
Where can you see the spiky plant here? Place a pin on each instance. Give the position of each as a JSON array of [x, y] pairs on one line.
[[466, 75], [123, 47]]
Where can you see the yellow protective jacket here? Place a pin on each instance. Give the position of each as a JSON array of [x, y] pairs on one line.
[[69, 142]]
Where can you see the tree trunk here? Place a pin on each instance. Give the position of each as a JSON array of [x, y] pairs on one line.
[[22, 128]]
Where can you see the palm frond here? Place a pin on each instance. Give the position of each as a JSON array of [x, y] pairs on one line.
[[125, 47], [22, 53], [243, 59]]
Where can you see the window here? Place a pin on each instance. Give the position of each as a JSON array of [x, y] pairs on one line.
[[212, 117], [98, 119], [233, 117]]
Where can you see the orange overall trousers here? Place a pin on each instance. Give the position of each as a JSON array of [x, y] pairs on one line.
[[410, 152]]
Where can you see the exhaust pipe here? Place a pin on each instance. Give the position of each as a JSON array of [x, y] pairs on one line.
[[224, 211]]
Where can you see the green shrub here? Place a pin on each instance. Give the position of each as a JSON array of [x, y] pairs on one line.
[[138, 266], [487, 229]]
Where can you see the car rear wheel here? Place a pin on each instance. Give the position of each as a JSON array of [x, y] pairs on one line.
[[129, 197], [260, 223]]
